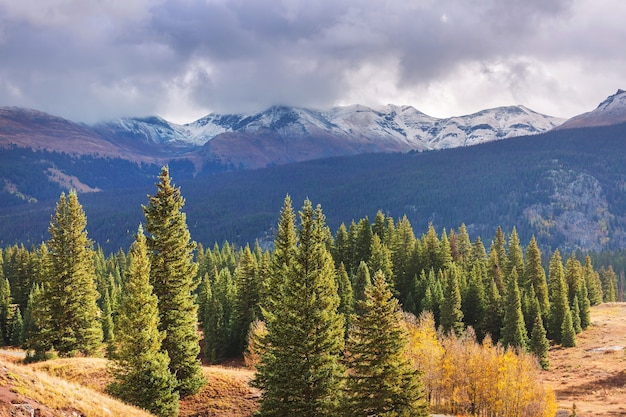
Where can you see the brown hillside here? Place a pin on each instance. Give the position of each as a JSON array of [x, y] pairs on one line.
[[593, 374]]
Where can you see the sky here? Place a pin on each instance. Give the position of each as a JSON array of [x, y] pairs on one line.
[[94, 60]]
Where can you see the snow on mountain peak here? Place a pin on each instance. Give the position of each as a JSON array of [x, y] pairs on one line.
[[384, 128], [610, 112]]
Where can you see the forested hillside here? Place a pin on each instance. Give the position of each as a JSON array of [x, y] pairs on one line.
[[565, 187]]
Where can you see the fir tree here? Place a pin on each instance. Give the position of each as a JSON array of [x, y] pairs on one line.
[[584, 307], [5, 304], [575, 309], [300, 370], [515, 257], [172, 274], [381, 381], [17, 325], [380, 259], [140, 370], [346, 297], [592, 280], [536, 276], [70, 291], [107, 318], [451, 313], [539, 343], [474, 302], [361, 281], [568, 333], [246, 299], [514, 329], [494, 313], [559, 305]]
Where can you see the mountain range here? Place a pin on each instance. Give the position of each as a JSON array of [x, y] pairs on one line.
[[560, 180], [275, 136]]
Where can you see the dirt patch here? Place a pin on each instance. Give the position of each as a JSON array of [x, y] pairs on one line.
[[593, 374]]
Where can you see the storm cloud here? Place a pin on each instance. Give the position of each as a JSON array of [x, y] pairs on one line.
[[89, 60]]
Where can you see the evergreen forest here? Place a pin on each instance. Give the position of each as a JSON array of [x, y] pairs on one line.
[[328, 318]]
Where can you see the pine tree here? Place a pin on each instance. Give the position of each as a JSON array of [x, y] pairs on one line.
[[575, 309], [381, 381], [346, 296], [300, 369], [536, 276], [361, 281], [246, 298], [140, 370], [172, 273], [451, 313], [71, 288], [592, 280], [568, 333], [514, 329], [559, 305], [494, 313], [539, 343], [584, 307], [380, 259], [17, 325], [5, 304], [474, 302], [515, 257], [107, 318]]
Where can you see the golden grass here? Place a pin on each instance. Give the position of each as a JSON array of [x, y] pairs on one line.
[[227, 393], [58, 396]]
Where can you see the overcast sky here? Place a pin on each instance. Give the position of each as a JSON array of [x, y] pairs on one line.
[[88, 60]]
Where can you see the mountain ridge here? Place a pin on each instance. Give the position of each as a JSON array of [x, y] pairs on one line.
[[279, 134]]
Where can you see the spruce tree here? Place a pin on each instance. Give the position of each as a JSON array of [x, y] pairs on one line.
[[140, 370], [515, 258], [451, 313], [559, 305], [536, 276], [539, 343], [17, 325], [494, 313], [172, 273], [474, 303], [568, 333], [361, 280], [300, 369], [70, 291], [592, 280], [584, 307], [107, 318], [346, 296], [381, 381], [380, 259], [514, 329], [246, 299], [5, 304]]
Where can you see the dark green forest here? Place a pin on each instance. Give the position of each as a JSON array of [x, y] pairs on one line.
[[483, 186]]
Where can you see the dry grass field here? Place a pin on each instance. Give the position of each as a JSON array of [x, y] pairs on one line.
[[591, 375]]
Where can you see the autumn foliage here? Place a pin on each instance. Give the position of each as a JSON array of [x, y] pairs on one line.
[[464, 377]]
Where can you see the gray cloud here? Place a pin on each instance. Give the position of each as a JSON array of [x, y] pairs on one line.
[[88, 60]]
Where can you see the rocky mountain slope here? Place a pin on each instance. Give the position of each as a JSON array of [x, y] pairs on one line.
[[611, 111]]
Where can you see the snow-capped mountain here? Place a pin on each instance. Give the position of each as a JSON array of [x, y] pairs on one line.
[[388, 128], [610, 112]]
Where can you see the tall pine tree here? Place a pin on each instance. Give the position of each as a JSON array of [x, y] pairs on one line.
[[381, 380], [70, 290], [140, 370], [300, 370], [172, 273]]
